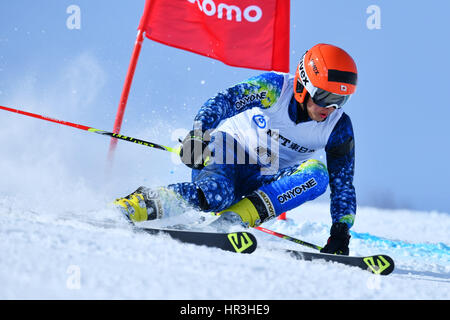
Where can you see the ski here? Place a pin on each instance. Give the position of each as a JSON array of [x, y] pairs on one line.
[[378, 264], [240, 242]]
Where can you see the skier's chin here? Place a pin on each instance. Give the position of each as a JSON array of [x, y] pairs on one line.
[[320, 118]]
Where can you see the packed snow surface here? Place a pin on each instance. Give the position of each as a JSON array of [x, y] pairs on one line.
[[60, 238], [94, 254]]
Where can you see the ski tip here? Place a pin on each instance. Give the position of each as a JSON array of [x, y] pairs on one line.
[[379, 264], [242, 242]]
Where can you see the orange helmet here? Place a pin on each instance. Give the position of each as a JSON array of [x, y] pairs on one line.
[[328, 74]]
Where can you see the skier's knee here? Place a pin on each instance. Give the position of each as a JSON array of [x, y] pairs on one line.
[[215, 194], [316, 173], [306, 183]]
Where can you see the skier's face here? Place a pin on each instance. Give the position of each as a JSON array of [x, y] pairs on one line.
[[316, 112]]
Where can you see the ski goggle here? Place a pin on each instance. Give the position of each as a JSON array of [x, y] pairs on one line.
[[327, 99], [323, 98]]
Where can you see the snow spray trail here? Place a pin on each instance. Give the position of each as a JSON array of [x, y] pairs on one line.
[[435, 250]]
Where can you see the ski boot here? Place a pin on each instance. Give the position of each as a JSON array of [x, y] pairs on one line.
[[149, 204], [251, 211]]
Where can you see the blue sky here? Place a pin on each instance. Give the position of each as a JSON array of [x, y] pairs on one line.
[[399, 112]]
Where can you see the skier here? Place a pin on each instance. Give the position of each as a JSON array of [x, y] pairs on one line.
[[252, 146]]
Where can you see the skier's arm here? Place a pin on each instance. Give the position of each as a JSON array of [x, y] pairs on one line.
[[261, 91], [340, 152]]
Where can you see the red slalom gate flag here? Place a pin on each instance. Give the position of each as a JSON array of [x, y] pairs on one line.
[[242, 33]]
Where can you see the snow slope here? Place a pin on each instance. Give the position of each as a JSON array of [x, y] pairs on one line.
[[59, 239], [92, 254]]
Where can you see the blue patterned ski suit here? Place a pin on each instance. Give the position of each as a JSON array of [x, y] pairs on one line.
[[257, 104]]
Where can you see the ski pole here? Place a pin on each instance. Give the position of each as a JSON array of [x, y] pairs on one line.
[[283, 236], [102, 132]]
